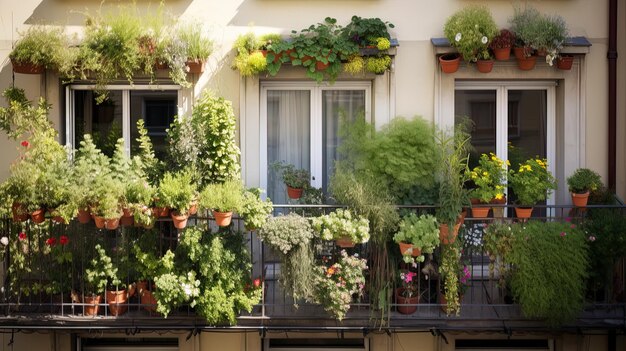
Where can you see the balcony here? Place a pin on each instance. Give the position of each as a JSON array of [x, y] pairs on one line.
[[33, 276]]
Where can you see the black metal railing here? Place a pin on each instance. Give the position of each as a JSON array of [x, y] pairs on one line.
[[39, 280]]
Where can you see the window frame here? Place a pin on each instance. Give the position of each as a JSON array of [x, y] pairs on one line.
[[316, 121], [501, 88], [70, 135]]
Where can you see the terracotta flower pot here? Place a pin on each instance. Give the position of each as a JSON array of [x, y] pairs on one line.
[[345, 242], [111, 223], [193, 209], [222, 219], [401, 301], [27, 68], [92, 305], [484, 66], [526, 63], [127, 212], [523, 212], [179, 220], [480, 212], [445, 236], [502, 54], [59, 220], [195, 66], [117, 300], [406, 248], [521, 52], [449, 62], [19, 212], [84, 216], [565, 62], [38, 216], [294, 193], [127, 221], [580, 200], [99, 221]]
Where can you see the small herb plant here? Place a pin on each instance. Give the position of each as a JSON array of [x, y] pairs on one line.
[[367, 31], [41, 46], [176, 191], [470, 30], [254, 211], [223, 197], [336, 285], [199, 47], [532, 182], [584, 180], [293, 177], [489, 177], [99, 272], [504, 40], [422, 232], [342, 224]]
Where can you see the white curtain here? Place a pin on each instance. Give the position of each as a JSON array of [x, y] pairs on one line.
[[288, 135]]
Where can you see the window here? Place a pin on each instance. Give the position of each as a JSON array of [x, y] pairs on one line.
[[513, 120], [299, 125], [117, 116]]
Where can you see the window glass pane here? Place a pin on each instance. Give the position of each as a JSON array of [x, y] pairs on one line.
[[157, 109], [288, 136], [337, 104], [103, 121], [480, 107]]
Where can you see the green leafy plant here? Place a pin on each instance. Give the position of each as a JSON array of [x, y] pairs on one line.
[[199, 47], [498, 243], [89, 165], [249, 60], [449, 269], [422, 232], [254, 211], [584, 180], [223, 197], [41, 46], [99, 272], [470, 30], [367, 31], [176, 191], [553, 32], [489, 177], [336, 285], [378, 64], [355, 65], [107, 194], [292, 176], [205, 142], [526, 24], [342, 224], [291, 236], [550, 268], [532, 182]]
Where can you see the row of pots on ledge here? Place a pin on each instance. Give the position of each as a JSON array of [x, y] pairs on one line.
[[117, 300], [450, 62]]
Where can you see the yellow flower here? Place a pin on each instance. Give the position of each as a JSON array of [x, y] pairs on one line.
[[485, 173], [528, 168], [499, 196], [508, 163]]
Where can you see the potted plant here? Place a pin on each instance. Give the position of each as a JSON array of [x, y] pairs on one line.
[[416, 236], [453, 172], [255, 211], [470, 30], [290, 237], [531, 183], [222, 199], [367, 32], [581, 183], [526, 24], [89, 163], [378, 64], [295, 179], [97, 275], [342, 226], [39, 48], [199, 47], [501, 44], [107, 209], [335, 286], [176, 192], [407, 296], [551, 36], [488, 177], [450, 62], [252, 52]]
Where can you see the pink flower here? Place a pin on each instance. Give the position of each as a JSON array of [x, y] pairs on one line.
[[22, 236], [257, 282], [563, 234], [592, 238], [409, 277], [51, 241]]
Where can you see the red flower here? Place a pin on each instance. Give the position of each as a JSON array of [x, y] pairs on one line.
[[25, 143], [51, 241], [63, 240], [257, 282], [22, 236]]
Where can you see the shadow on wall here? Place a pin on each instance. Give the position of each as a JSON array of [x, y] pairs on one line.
[[280, 13], [70, 12]]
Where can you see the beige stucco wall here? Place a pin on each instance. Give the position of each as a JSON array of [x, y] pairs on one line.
[[414, 76]]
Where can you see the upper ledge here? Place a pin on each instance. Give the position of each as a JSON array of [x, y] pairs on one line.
[[573, 45]]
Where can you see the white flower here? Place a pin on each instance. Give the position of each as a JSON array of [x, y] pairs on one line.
[[4, 241], [187, 289], [457, 37], [484, 40]]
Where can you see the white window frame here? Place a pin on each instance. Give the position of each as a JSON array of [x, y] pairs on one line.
[[315, 120], [70, 137], [502, 88]]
